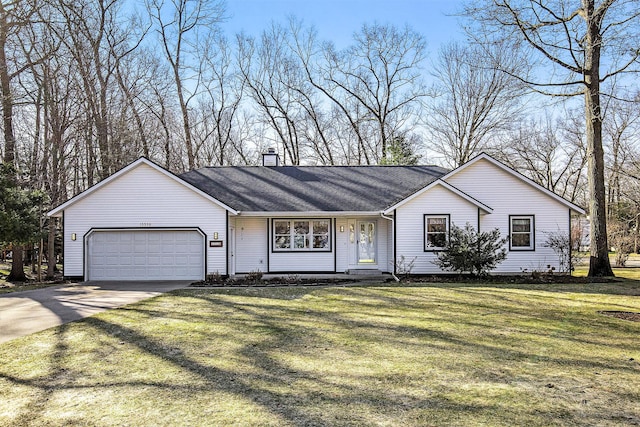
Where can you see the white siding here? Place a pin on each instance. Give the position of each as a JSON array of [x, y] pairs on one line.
[[142, 198], [509, 195], [384, 257], [301, 262], [410, 226], [251, 245], [253, 251], [389, 248], [342, 245]]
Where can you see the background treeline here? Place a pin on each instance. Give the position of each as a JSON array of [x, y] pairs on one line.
[[90, 85]]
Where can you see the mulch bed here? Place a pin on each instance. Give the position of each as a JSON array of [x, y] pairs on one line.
[[624, 315], [508, 279], [276, 281], [294, 280]]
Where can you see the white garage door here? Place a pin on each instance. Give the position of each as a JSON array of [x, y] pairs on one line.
[[145, 255]]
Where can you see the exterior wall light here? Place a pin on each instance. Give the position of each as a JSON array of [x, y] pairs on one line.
[[73, 236], [215, 236]]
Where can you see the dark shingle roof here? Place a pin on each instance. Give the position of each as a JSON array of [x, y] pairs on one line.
[[312, 188]]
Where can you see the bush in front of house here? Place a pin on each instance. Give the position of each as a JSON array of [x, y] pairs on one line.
[[469, 251]]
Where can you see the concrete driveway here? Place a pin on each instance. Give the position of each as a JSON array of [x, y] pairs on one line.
[[23, 313]]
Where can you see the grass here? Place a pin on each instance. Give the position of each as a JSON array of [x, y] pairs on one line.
[[432, 354], [8, 287]]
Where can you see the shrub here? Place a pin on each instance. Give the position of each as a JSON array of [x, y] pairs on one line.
[[214, 278], [404, 267], [562, 245], [621, 241], [254, 276], [470, 251]]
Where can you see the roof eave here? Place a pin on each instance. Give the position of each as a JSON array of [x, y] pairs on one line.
[[445, 185], [306, 214], [58, 211]]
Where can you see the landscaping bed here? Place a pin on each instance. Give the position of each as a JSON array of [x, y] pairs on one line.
[[253, 281]]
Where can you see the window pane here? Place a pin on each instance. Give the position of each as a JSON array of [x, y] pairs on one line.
[[436, 225], [521, 240], [283, 242], [321, 242], [520, 225], [282, 227], [320, 227], [437, 240], [300, 242], [301, 227], [320, 234]]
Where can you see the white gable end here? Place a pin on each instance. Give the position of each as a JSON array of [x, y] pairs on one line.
[[410, 229], [509, 195], [142, 198]]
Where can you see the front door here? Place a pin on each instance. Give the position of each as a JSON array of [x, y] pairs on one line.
[[366, 234]]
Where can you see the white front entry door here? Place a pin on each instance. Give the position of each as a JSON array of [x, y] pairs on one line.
[[366, 242]]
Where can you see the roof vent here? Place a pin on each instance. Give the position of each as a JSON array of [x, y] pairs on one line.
[[270, 158]]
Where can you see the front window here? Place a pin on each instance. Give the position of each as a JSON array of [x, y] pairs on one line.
[[301, 235], [521, 233], [436, 232]]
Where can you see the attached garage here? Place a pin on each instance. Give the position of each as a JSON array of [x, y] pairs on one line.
[[145, 255]]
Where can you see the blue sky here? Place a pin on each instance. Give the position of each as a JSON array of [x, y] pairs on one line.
[[337, 20]]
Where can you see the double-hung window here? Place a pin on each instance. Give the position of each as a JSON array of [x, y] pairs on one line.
[[436, 232], [521, 232], [301, 235]]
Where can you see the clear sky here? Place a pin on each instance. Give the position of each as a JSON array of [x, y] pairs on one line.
[[337, 20]]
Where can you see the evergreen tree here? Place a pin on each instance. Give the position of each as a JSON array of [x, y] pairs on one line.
[[19, 218], [400, 152]]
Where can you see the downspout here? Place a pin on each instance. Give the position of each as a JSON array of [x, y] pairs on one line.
[[393, 242]]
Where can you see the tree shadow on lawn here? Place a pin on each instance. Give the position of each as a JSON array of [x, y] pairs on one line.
[[256, 387], [296, 329], [404, 335], [494, 361], [609, 286]]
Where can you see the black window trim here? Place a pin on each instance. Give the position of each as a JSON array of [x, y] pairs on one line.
[[306, 251], [424, 232], [530, 248]]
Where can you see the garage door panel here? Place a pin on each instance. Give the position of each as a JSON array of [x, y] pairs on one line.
[[145, 255]]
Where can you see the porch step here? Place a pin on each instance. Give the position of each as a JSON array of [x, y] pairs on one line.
[[365, 272]]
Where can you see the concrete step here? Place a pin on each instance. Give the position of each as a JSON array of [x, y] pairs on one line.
[[365, 272]]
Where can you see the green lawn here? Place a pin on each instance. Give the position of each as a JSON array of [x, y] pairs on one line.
[[442, 354]]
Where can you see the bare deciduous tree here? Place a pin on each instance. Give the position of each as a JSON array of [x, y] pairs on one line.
[[581, 45], [475, 102], [546, 153], [178, 25]]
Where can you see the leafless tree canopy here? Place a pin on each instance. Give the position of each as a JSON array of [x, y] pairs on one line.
[[87, 86], [582, 46]]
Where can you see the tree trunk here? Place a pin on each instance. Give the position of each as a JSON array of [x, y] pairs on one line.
[[599, 264], [17, 266], [51, 249], [7, 100]]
